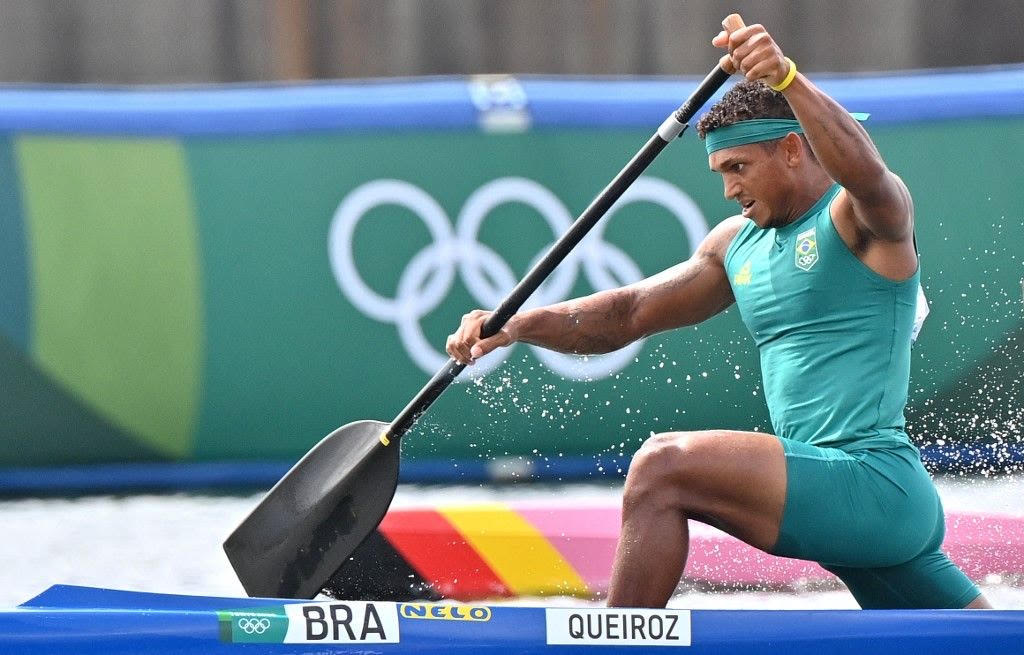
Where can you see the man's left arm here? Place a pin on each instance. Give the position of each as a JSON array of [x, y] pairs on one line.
[[879, 201]]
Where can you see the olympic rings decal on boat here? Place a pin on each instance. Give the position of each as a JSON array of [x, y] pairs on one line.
[[429, 275], [252, 626]]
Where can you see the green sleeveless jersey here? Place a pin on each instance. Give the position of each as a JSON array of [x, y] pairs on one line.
[[834, 336]]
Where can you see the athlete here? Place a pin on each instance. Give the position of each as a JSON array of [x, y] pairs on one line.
[[822, 265]]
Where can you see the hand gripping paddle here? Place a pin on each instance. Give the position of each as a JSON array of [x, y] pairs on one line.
[[313, 519]]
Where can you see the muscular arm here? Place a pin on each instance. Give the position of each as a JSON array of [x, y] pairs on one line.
[[875, 200], [685, 294], [878, 199]]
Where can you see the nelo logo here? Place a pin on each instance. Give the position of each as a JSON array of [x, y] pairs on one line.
[[445, 612]]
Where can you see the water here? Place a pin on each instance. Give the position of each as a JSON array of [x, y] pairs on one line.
[[172, 543]]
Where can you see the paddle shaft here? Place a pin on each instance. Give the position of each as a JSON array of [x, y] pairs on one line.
[[671, 128]]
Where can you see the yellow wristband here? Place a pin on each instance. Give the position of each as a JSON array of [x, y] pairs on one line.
[[786, 81]]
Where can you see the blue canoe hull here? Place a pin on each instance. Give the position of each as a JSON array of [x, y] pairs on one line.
[[86, 620]]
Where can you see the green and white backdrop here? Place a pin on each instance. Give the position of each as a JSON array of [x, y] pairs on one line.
[[237, 295]]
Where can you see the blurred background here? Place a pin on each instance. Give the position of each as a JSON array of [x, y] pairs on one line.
[[229, 226], [199, 41]]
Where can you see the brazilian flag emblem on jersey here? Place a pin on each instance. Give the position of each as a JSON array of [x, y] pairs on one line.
[[806, 250]]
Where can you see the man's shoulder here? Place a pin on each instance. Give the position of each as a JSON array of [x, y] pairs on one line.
[[718, 240]]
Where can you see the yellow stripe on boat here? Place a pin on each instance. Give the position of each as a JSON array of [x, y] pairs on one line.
[[519, 554]]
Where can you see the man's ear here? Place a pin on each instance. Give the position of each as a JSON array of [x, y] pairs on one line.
[[793, 148]]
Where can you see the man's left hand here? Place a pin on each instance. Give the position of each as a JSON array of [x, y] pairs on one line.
[[754, 53]]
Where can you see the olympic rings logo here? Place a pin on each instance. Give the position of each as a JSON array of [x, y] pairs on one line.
[[429, 275], [252, 626]]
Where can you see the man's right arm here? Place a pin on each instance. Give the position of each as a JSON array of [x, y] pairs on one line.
[[685, 294]]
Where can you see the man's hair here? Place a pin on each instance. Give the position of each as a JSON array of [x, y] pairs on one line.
[[745, 101]]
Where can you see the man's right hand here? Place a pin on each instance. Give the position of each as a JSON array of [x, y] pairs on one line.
[[465, 345]]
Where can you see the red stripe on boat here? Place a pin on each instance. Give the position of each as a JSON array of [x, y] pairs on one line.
[[436, 550]]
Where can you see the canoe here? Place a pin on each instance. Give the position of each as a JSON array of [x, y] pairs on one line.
[[479, 551], [88, 621]]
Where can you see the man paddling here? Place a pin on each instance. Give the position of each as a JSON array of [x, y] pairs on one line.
[[822, 265]]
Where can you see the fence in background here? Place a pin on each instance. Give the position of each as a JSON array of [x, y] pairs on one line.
[[190, 41]]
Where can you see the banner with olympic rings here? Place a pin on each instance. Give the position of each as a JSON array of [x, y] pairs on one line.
[[237, 294]]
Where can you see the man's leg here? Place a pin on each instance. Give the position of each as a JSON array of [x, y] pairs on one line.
[[929, 581], [735, 481], [979, 603]]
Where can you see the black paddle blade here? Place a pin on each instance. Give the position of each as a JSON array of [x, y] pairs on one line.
[[378, 571], [317, 514]]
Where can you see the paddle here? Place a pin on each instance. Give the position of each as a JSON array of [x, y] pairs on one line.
[[316, 516]]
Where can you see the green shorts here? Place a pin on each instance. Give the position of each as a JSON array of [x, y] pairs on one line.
[[874, 519]]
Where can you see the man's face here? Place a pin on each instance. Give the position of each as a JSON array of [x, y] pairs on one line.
[[756, 176]]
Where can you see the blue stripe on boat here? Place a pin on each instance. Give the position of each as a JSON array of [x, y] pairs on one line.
[[94, 621]]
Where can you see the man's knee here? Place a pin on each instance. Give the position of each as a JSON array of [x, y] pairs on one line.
[[663, 467]]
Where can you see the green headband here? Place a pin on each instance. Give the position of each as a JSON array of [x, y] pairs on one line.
[[754, 131]]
